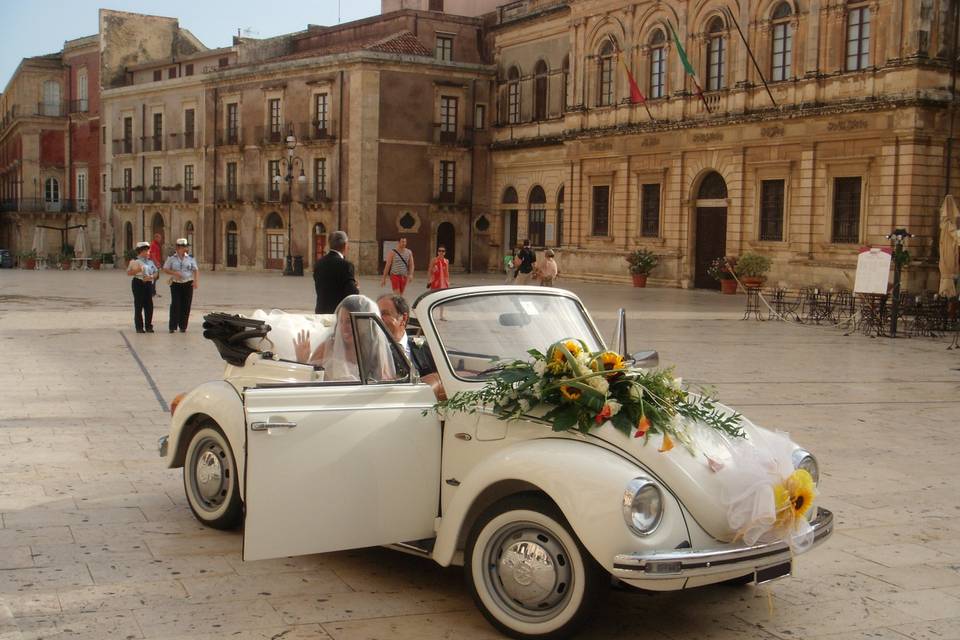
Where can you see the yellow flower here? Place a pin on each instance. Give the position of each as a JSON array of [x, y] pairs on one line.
[[793, 497], [607, 361], [570, 393], [573, 347]]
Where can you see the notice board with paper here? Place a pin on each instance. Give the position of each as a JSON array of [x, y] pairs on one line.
[[873, 272]]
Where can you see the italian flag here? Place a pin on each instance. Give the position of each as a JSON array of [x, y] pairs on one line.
[[636, 96], [688, 67]]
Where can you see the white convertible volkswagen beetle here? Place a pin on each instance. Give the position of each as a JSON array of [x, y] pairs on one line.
[[540, 520]]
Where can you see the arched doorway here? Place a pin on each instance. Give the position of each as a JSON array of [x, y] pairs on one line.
[[127, 238], [559, 241], [509, 219], [231, 244], [537, 217], [319, 241], [710, 228], [447, 236], [156, 226], [274, 229]]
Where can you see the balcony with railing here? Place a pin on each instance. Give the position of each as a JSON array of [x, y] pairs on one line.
[[51, 109], [124, 146], [229, 136], [151, 143], [314, 131], [42, 205], [132, 195], [454, 138], [186, 140], [79, 106], [270, 134]]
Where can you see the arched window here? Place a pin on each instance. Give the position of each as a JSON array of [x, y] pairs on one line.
[[510, 215], [858, 36], [605, 94], [713, 187], [658, 64], [540, 91], [51, 191], [513, 95], [510, 196], [560, 217], [716, 55], [782, 44], [188, 234], [566, 82], [537, 216]]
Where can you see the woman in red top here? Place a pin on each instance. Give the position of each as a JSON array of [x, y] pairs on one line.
[[439, 272]]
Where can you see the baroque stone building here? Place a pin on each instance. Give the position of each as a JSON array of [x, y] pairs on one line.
[[846, 143]]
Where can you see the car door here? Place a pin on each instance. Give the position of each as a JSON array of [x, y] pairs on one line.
[[333, 466]]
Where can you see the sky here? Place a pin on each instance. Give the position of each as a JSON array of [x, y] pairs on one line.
[[35, 27]]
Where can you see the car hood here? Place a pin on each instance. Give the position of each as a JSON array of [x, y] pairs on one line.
[[698, 474]]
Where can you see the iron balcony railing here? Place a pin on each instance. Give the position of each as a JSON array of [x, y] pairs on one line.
[[151, 143], [79, 106], [123, 146], [313, 131], [273, 134], [229, 136], [42, 205]]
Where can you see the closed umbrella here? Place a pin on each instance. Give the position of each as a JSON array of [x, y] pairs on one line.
[[80, 244], [948, 246], [38, 241]]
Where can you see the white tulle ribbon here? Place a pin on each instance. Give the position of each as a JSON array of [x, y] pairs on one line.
[[758, 468]]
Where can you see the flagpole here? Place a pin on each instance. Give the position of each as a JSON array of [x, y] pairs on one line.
[[750, 53], [688, 67], [631, 80]]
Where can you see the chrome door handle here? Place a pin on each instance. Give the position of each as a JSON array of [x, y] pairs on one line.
[[264, 426]]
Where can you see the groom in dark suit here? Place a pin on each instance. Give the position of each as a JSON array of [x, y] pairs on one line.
[[333, 275]]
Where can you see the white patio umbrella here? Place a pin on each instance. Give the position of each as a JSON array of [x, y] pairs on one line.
[[948, 246], [80, 244]]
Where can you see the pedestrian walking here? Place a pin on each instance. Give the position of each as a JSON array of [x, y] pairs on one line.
[[509, 266], [334, 277], [439, 271], [156, 254], [399, 266], [549, 269], [185, 279], [144, 272], [527, 259]]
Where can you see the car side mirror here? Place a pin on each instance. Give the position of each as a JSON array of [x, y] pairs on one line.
[[646, 359]]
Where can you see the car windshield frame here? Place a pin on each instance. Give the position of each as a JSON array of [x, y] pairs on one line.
[[439, 327]]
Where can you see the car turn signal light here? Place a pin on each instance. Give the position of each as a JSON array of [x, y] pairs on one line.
[[176, 403]]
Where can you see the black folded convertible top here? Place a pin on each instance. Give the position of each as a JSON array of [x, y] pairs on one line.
[[230, 334]]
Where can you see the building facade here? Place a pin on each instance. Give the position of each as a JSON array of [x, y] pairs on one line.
[[845, 143]]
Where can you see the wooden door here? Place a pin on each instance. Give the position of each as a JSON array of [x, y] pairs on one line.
[[711, 243], [275, 250], [447, 236]]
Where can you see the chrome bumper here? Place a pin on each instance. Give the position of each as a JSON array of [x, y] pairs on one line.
[[162, 446], [685, 563]]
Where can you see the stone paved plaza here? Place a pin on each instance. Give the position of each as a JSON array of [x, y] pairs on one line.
[[97, 540]]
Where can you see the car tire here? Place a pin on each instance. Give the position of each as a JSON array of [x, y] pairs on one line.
[[546, 592], [210, 479]]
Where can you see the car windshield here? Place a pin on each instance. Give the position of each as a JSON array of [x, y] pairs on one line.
[[479, 332]]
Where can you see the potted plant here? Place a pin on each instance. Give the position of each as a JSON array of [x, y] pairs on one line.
[[752, 269], [641, 262], [722, 269], [28, 259]]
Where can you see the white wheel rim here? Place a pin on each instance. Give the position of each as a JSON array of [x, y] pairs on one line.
[[210, 472]]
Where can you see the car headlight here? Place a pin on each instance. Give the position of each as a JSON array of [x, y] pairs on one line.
[[642, 506], [803, 459]]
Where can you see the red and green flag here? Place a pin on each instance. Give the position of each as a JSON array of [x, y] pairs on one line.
[[687, 66], [636, 96]]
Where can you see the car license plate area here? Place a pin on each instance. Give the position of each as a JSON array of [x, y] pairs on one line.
[[773, 572]]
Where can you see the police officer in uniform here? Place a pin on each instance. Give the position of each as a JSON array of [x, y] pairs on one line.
[[144, 272], [183, 268]]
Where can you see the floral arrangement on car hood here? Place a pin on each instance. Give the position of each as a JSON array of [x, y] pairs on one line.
[[587, 389]]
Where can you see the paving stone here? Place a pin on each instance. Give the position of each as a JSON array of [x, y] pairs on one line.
[[56, 517], [224, 618], [358, 605], [232, 588], [462, 624], [84, 626], [122, 597], [44, 578], [109, 572]]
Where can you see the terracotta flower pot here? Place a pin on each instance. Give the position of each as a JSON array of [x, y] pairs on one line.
[[639, 279], [728, 286], [752, 282], [95, 264], [31, 263], [65, 265]]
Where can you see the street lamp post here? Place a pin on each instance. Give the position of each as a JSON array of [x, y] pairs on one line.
[[900, 258], [289, 163]]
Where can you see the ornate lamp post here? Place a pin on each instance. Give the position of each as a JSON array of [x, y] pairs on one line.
[[900, 258], [288, 165]]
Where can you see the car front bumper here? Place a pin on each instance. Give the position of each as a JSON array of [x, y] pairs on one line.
[[696, 563]]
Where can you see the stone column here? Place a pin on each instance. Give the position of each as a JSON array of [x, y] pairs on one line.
[[362, 172]]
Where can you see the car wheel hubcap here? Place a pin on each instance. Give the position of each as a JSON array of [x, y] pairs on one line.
[[528, 572], [211, 477]]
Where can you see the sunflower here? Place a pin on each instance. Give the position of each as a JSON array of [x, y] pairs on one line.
[[607, 361], [570, 393], [793, 497]]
